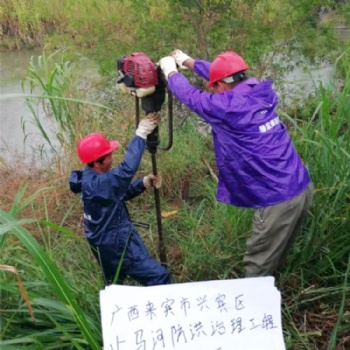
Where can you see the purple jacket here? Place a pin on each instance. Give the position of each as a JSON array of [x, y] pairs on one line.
[[257, 161]]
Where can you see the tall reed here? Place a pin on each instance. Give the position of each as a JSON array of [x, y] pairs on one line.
[[56, 100], [57, 312], [321, 256]]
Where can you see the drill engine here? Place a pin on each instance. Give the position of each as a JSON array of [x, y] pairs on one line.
[[138, 76]]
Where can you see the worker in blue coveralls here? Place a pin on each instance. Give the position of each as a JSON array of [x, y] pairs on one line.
[[257, 162], [104, 191]]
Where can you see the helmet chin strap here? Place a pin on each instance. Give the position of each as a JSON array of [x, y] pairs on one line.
[[240, 76]]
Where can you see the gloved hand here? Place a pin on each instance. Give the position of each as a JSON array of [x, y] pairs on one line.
[[180, 57], [147, 125], [167, 65], [152, 180], [154, 117]]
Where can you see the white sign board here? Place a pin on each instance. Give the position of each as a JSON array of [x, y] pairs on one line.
[[241, 314]]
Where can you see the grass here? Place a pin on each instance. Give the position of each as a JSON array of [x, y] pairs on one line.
[[41, 233], [322, 254], [81, 329]]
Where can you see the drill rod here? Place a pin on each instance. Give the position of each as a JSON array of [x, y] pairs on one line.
[[152, 143], [162, 252]]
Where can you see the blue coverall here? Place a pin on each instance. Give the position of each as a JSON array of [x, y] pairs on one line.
[[108, 227]]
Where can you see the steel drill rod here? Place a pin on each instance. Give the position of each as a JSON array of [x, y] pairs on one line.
[[162, 252], [137, 111]]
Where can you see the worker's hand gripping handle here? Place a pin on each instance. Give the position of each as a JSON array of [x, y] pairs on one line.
[[152, 142]]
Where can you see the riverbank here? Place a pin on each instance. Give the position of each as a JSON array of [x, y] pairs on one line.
[[205, 239]]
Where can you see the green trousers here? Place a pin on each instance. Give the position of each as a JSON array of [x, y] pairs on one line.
[[275, 229]]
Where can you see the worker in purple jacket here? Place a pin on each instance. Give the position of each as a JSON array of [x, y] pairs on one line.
[[258, 165]]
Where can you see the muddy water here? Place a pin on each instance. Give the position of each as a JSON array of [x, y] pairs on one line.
[[13, 111]]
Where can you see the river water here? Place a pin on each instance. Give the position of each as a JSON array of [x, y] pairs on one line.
[[13, 110], [13, 65]]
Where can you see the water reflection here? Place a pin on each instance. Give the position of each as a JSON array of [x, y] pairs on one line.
[[13, 110]]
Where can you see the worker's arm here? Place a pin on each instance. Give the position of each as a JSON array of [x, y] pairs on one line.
[[183, 61], [123, 174], [211, 107], [140, 185], [200, 67], [135, 188]]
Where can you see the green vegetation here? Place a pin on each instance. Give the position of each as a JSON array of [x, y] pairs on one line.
[[107, 29], [41, 233]]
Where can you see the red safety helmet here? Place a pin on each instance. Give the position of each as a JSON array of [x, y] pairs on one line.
[[225, 65], [94, 146]]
